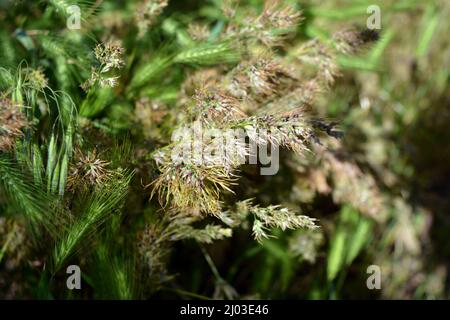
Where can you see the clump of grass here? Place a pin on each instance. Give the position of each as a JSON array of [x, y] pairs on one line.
[[93, 168]]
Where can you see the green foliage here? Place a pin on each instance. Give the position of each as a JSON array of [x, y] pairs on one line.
[[351, 235], [31, 201], [99, 206]]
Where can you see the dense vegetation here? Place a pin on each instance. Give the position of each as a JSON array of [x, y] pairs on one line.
[[358, 118]]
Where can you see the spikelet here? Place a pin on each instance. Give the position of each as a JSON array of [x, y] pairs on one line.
[[146, 13], [12, 122], [109, 57]]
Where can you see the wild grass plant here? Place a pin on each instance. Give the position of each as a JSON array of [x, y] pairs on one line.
[[94, 171]]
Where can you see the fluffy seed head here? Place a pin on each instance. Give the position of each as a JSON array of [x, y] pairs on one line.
[[12, 121]]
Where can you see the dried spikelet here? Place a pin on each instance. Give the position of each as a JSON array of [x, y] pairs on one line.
[[318, 181], [146, 13], [323, 56], [216, 106], [273, 25], [228, 8], [273, 217], [153, 247], [351, 185], [88, 171], [279, 17], [305, 245], [292, 131], [198, 32], [109, 57], [149, 113], [264, 77], [36, 78], [405, 256], [320, 56], [179, 225], [154, 242], [352, 41], [202, 79], [270, 28], [12, 121], [260, 79], [191, 186], [301, 97]]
